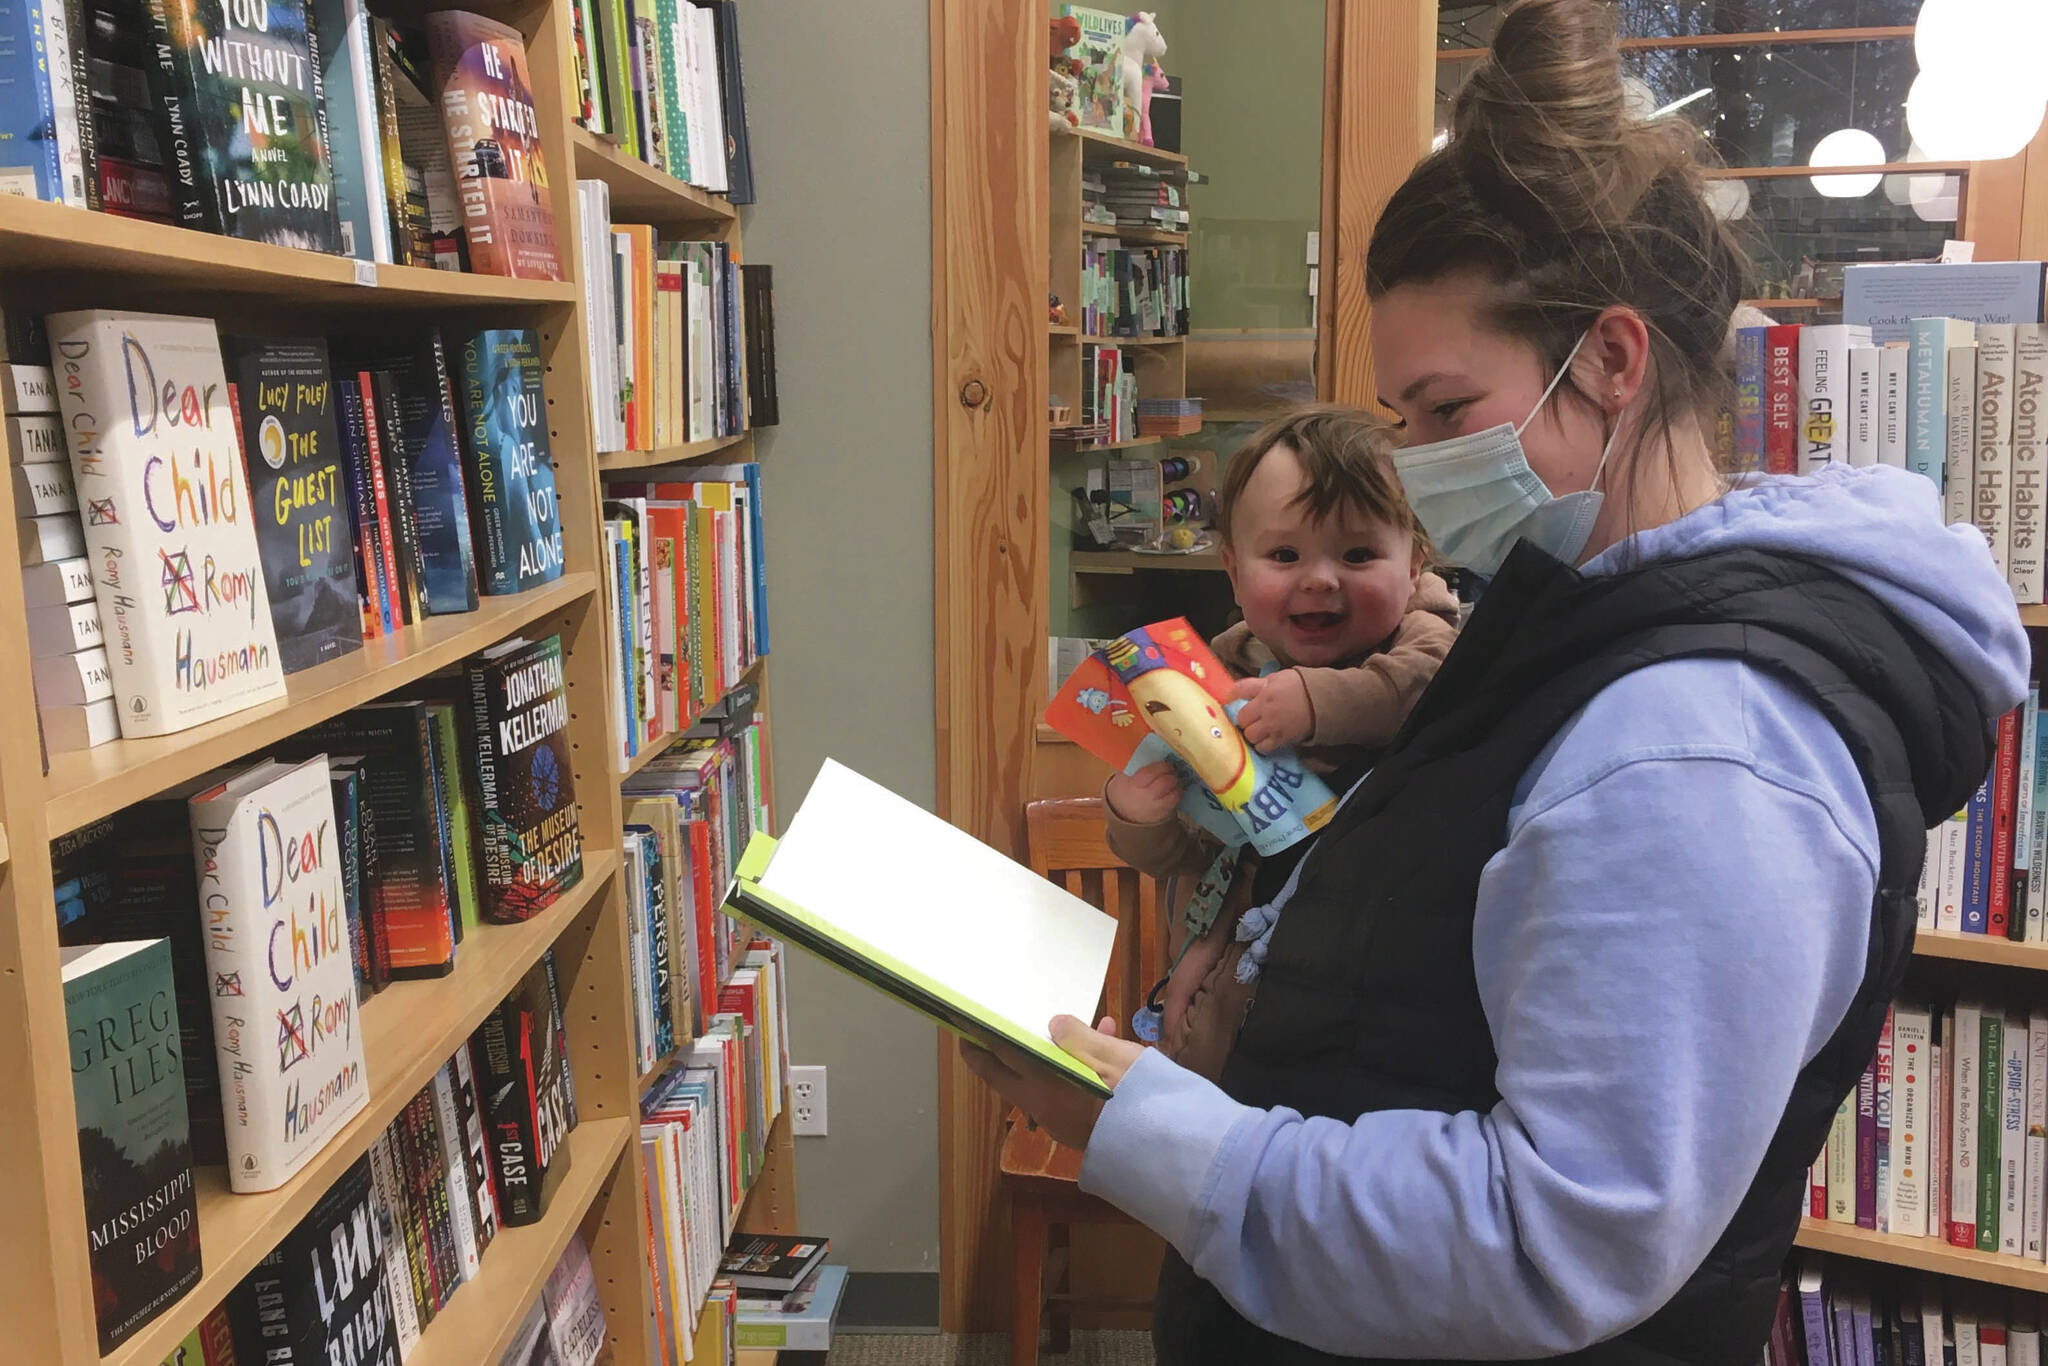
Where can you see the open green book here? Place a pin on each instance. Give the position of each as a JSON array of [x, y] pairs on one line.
[[888, 892]]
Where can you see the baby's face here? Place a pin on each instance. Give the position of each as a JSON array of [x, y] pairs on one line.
[[1316, 592]]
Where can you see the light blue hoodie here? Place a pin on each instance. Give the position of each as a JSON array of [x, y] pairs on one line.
[[1675, 926]]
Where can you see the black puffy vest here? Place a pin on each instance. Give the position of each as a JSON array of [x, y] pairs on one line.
[[1368, 1001]]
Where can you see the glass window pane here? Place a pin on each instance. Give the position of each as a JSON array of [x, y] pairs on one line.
[[1800, 238], [1463, 23], [1769, 106]]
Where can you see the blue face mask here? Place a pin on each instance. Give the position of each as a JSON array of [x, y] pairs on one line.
[[1476, 495]]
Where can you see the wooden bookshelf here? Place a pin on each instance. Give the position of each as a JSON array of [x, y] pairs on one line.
[[2034, 614], [1104, 147], [53, 257], [1150, 237], [661, 746], [1135, 562], [1922, 1254], [1137, 341], [1087, 447], [87, 784], [612, 462], [1980, 948], [409, 1029]]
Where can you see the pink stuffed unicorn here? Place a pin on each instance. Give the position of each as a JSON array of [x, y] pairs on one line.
[[1142, 46], [1155, 80]]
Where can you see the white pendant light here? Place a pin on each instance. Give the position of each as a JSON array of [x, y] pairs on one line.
[[1962, 118], [1982, 88], [1847, 147], [1936, 197], [1728, 199]]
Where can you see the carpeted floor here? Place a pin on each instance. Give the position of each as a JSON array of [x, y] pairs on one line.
[[977, 1349]]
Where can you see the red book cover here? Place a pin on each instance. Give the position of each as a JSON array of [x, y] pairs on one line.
[[2004, 797], [707, 898], [486, 100], [1781, 399], [388, 557], [1817, 1186]]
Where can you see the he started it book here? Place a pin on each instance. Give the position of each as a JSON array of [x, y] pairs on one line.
[[1159, 693]]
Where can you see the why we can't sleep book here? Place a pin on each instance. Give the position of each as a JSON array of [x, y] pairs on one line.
[[888, 892]]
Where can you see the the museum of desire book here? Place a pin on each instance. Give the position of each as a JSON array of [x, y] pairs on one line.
[[285, 407], [486, 94], [511, 476], [167, 517], [274, 917], [519, 728], [239, 84], [134, 1151]]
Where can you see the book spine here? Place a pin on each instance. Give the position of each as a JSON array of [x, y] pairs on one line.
[[507, 1091], [1860, 449], [1966, 1050], [2023, 810], [1927, 405], [1991, 501], [1882, 1098], [1977, 858], [71, 103], [2035, 1150], [1960, 484], [234, 962], [455, 1167], [2012, 1136], [362, 512], [1927, 892], [434, 1184], [1940, 1113], [194, 199], [398, 1281], [1909, 1185], [2004, 795], [2028, 524], [1824, 394], [405, 520], [1891, 406], [1988, 1122], [393, 575], [482, 1184], [484, 716], [418, 1171]]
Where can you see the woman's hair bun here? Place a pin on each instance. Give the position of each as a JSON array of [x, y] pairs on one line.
[[1543, 127]]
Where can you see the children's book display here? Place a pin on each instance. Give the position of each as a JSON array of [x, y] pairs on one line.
[[1159, 694]]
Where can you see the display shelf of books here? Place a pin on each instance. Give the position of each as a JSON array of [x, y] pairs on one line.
[[1100, 144], [1922, 1254], [2034, 614], [302, 435], [1981, 948], [1136, 562]]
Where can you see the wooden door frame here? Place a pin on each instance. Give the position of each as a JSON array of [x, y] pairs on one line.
[[991, 599]]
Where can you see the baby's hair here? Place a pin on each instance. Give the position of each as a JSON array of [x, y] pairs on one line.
[[1347, 455]]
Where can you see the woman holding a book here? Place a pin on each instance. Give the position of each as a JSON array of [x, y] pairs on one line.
[[1558, 1010]]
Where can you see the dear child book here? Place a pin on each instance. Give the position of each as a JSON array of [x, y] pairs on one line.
[[167, 520], [239, 86], [516, 521], [134, 1150], [285, 405], [526, 812], [508, 220], [275, 919]]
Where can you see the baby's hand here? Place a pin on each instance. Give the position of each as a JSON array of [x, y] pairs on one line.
[[1146, 797], [1276, 713]]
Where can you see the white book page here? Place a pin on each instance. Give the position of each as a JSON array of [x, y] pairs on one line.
[[941, 902]]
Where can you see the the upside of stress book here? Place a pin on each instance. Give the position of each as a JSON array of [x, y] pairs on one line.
[[926, 913]]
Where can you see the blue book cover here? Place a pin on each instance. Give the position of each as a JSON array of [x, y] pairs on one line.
[[1887, 298], [1977, 861], [510, 469], [418, 366], [29, 163], [1749, 397]]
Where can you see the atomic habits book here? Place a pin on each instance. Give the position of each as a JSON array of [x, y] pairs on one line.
[[519, 723], [516, 521], [275, 920], [486, 99], [1160, 694], [239, 86], [167, 519], [134, 1150]]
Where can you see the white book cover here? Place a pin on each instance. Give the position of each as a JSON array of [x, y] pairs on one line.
[[27, 389], [1824, 393], [1927, 894], [1912, 1026], [168, 524], [1841, 1151], [65, 98], [2012, 1136], [1991, 1341], [481, 1186], [1863, 400], [43, 489], [46, 540], [86, 726], [2023, 811], [1965, 1043], [455, 1164], [397, 1261], [35, 440], [59, 582], [1932, 1322], [73, 680], [575, 1313], [1893, 362], [2022, 1345], [2036, 837], [2033, 1246], [1967, 1351], [1960, 487], [2027, 560], [1955, 852], [64, 630], [357, 35], [276, 936], [1991, 507]]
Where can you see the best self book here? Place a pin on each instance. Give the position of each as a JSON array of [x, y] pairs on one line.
[[1164, 676]]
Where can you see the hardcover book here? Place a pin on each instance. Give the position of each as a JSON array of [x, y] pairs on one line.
[[319, 1296], [142, 1218], [240, 88], [511, 473], [167, 519], [575, 1313], [422, 385], [283, 970], [1100, 101], [349, 82], [486, 97], [526, 810], [773, 1263], [285, 401], [528, 1097]]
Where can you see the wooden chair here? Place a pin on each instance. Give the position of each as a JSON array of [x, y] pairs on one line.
[[1067, 842]]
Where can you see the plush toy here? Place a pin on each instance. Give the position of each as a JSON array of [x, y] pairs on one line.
[[1055, 311], [1063, 86], [1142, 44], [1155, 80]]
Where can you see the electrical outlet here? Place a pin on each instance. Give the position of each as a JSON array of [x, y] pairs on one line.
[[807, 1102]]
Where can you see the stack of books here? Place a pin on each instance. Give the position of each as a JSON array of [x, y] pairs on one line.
[[1133, 291], [1169, 416], [687, 599], [664, 82], [788, 1297], [305, 124], [1841, 1313], [1986, 870], [1132, 194]]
